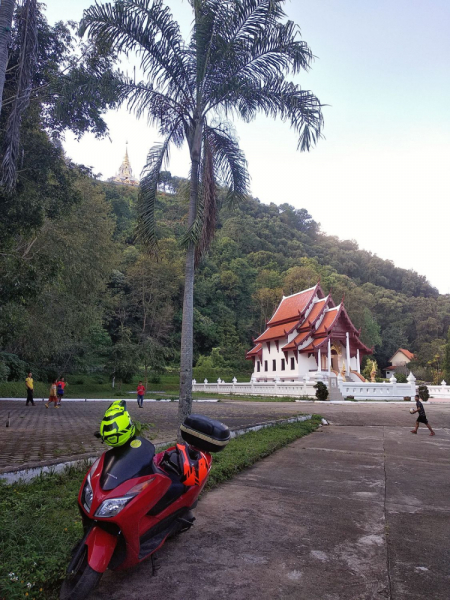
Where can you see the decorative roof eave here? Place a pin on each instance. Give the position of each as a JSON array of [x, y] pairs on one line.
[[319, 314], [256, 351], [315, 345], [321, 334], [296, 342], [277, 336], [345, 313]]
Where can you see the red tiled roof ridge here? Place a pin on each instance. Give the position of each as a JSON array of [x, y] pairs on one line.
[[407, 353], [299, 311]]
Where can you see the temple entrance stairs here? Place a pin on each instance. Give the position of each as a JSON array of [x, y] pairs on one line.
[[333, 389]]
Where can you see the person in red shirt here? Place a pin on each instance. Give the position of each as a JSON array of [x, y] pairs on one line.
[[140, 394], [60, 385]]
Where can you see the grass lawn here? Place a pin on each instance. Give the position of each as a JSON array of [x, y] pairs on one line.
[[98, 386], [40, 523]]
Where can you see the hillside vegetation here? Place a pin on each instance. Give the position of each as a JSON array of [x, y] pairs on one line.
[[80, 295]]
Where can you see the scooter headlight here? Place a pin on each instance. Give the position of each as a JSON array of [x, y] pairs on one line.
[[88, 493], [112, 507]]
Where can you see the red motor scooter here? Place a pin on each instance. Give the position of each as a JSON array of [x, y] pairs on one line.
[[132, 500]]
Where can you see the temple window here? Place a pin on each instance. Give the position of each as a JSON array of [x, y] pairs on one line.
[[258, 366], [292, 363], [266, 367], [283, 364], [274, 365]]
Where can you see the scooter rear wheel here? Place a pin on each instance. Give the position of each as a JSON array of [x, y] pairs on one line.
[[80, 583]]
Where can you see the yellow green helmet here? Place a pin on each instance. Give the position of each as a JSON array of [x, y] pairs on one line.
[[117, 427]]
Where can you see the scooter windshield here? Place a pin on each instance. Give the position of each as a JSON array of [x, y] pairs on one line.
[[133, 459]]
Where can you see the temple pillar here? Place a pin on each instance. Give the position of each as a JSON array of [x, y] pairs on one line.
[[358, 364], [348, 353], [329, 357], [319, 361]]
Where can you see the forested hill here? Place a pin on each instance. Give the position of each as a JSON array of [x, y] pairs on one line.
[[263, 251], [81, 294]]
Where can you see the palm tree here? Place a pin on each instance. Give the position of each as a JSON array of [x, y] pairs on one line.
[[6, 18], [234, 65]]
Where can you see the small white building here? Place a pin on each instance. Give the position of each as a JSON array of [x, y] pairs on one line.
[[308, 335], [399, 361]]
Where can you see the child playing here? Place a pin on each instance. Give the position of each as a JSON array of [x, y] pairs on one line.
[[422, 418], [53, 397], [61, 384], [140, 394]]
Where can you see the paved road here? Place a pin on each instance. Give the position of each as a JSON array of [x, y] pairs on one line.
[[39, 436], [356, 511]]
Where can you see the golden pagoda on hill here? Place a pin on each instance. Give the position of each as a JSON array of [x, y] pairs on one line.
[[125, 174]]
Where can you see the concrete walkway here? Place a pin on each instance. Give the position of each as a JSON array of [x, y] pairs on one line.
[[351, 512]]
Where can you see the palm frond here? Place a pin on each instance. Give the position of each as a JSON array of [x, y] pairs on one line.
[[276, 52], [160, 109], [229, 161], [25, 72], [146, 27], [146, 228], [246, 18]]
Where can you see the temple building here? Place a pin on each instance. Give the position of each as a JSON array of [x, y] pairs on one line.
[[125, 173], [308, 337]]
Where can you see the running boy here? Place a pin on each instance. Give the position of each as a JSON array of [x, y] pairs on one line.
[[140, 394], [422, 418]]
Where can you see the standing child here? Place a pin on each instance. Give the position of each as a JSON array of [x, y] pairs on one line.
[[140, 394], [60, 389], [422, 418], [52, 397]]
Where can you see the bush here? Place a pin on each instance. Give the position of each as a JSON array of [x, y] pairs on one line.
[[401, 378], [4, 372], [407, 398], [350, 398], [16, 366], [424, 394], [155, 378], [321, 391]]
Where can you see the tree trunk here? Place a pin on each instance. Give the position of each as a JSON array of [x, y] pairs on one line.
[[6, 17], [187, 330]]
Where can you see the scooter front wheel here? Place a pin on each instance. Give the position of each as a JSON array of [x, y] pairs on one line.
[[81, 581]]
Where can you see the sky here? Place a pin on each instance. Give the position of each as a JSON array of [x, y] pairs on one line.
[[381, 174]]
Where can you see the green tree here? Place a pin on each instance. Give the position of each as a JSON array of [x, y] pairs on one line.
[[446, 361], [236, 63]]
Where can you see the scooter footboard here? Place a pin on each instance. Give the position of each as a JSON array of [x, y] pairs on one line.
[[101, 546]]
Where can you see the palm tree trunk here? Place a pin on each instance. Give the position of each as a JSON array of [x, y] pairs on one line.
[[6, 17], [187, 330]]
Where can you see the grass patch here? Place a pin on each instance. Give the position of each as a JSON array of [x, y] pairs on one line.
[[40, 523]]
